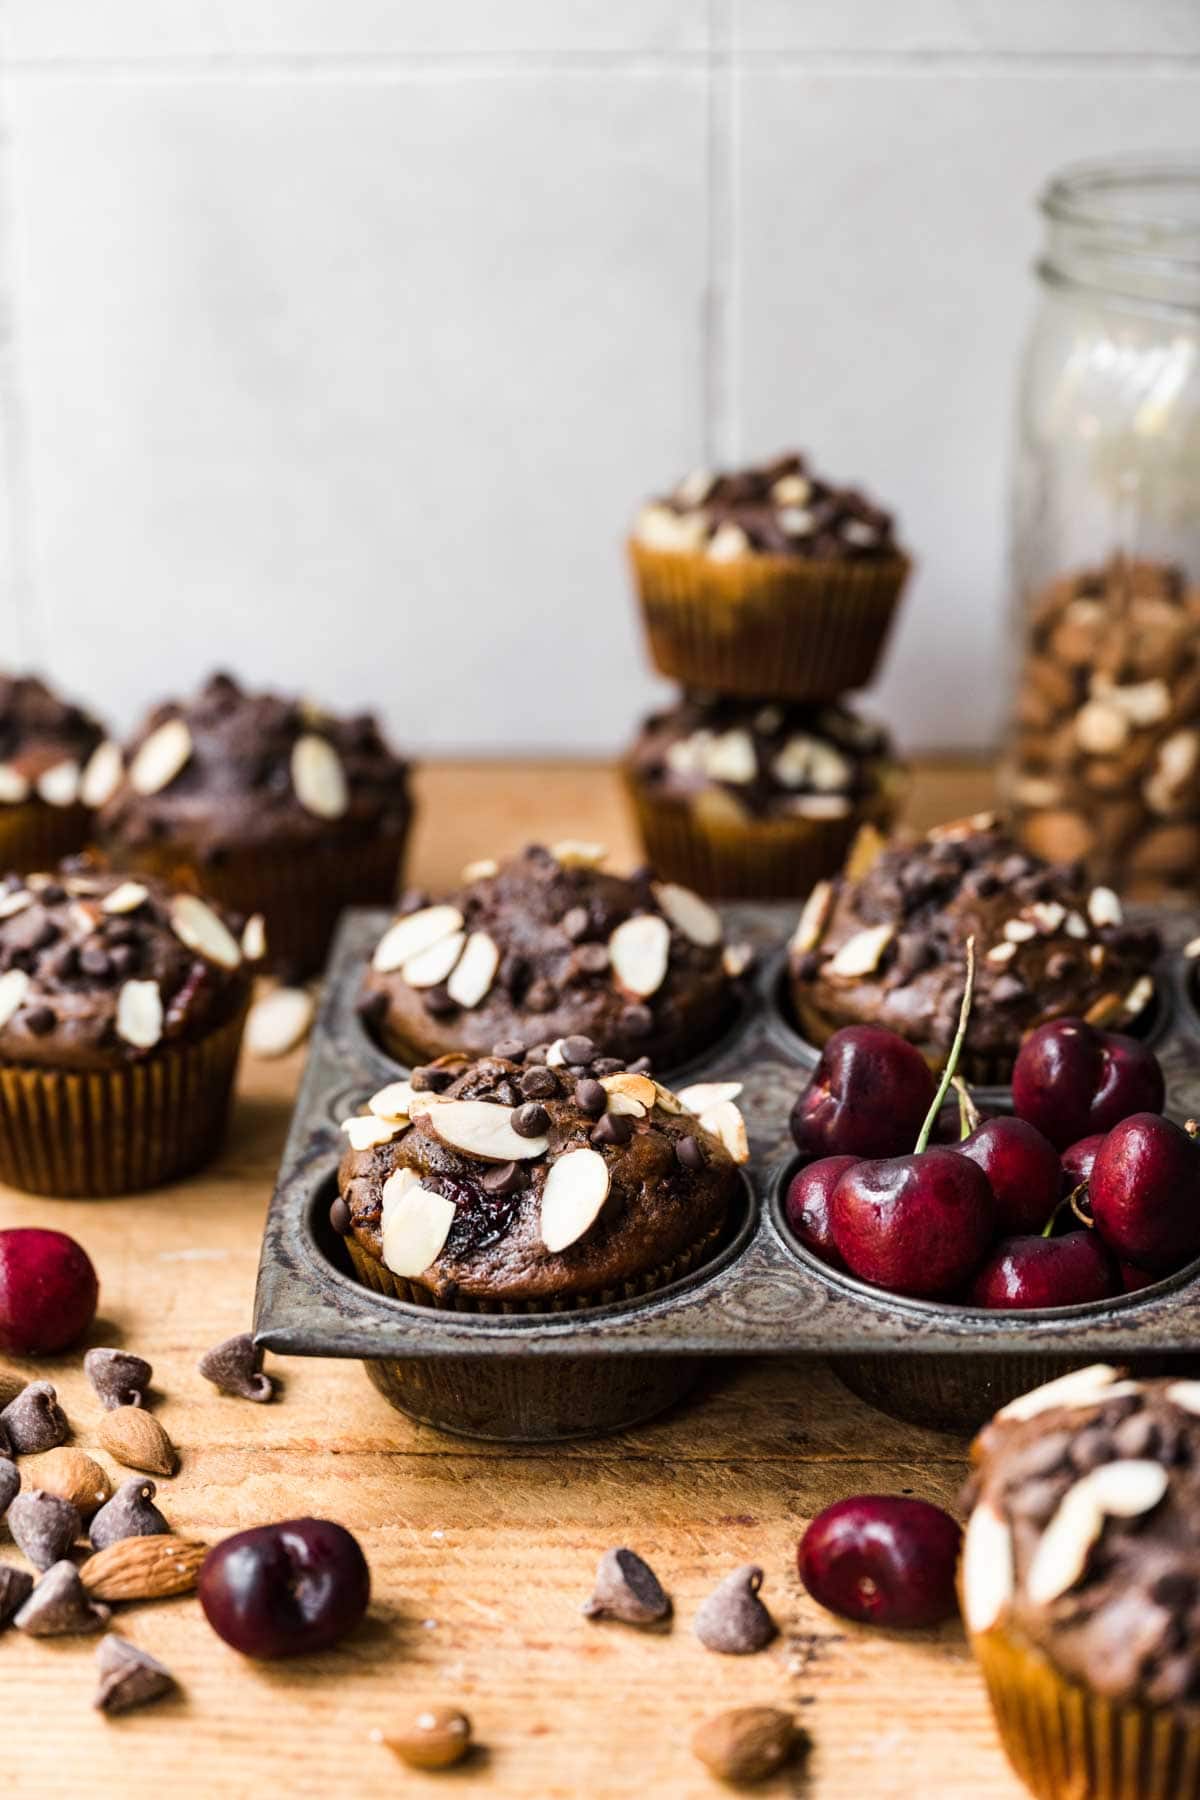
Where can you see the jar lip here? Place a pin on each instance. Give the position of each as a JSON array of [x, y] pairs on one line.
[[1144, 203]]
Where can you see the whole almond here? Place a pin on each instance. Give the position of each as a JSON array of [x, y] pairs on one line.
[[136, 1439], [72, 1476], [143, 1568], [748, 1744]]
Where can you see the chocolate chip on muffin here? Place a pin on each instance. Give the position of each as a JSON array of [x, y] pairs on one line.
[[461, 1197], [275, 805], [887, 947], [548, 945]]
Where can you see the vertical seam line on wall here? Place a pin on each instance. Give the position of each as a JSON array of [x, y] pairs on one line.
[[720, 312]]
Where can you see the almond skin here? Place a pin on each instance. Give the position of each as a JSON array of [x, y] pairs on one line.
[[72, 1476], [148, 1568], [136, 1439]]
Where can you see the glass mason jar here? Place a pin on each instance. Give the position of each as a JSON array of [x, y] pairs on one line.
[[1104, 762]]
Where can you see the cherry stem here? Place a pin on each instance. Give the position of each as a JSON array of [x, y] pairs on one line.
[[968, 1112], [1069, 1203], [948, 1073]]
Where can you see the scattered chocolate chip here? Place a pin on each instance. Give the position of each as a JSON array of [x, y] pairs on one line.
[[539, 1083], [733, 1620], [509, 1050], [40, 1020], [35, 1421], [339, 1217], [607, 1065], [540, 996], [688, 1154], [531, 1120], [60, 1606], [640, 1067], [119, 1378], [508, 1178], [590, 1097], [128, 1677], [16, 1585], [506, 1094], [235, 1367], [10, 1484], [627, 1589], [130, 1513], [43, 1526], [614, 1129], [578, 1049]]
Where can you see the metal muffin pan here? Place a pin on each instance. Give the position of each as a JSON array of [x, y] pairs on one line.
[[574, 1372]]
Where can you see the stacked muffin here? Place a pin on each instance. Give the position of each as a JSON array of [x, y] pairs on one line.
[[768, 594]]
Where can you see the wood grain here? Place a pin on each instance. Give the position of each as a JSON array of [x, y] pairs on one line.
[[481, 1556]]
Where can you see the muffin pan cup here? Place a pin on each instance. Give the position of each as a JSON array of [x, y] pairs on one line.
[[517, 1376]]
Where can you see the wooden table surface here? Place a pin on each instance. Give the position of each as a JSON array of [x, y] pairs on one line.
[[481, 1556]]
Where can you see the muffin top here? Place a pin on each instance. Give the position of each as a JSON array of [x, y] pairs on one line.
[[548, 945], [778, 508], [766, 758], [228, 769], [45, 743], [536, 1177], [888, 947], [1084, 1536], [97, 970]]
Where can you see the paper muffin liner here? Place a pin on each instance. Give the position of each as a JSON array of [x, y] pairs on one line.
[[301, 891], [776, 627], [732, 855], [373, 1273], [89, 1134], [36, 836], [1068, 1744]]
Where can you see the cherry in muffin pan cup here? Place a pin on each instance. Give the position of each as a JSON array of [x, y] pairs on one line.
[[762, 624], [594, 1368]]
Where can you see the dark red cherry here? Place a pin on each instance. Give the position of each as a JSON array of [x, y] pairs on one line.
[[806, 1205], [48, 1291], [918, 1225], [1039, 1271], [882, 1560], [1071, 1080], [1145, 1193], [1077, 1161], [1133, 1278], [287, 1589], [868, 1096], [1023, 1169]]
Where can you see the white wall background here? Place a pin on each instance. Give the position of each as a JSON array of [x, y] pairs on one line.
[[349, 332]]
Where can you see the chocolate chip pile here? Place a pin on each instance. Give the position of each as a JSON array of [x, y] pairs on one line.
[[770, 758], [779, 508], [889, 947], [97, 969], [1085, 1532], [1108, 725], [45, 743]]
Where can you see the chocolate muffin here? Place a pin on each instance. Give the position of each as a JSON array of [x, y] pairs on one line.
[[52, 771], [269, 805], [888, 947], [533, 1182], [121, 1010], [1081, 1584], [549, 945], [767, 581], [757, 799]]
